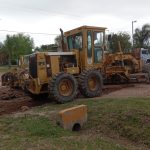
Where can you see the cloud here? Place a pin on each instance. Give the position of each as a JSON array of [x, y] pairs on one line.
[[49, 15], [76, 8]]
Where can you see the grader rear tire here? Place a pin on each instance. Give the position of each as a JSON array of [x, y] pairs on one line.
[[90, 83], [63, 87]]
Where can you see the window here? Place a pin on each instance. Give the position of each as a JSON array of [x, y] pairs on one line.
[[145, 52], [75, 41], [98, 44], [89, 47], [98, 39]]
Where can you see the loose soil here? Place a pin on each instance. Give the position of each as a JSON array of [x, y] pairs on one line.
[[12, 100]]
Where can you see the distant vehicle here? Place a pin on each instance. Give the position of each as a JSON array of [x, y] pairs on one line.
[[145, 55]]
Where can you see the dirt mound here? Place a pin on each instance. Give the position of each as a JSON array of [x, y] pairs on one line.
[[7, 93], [12, 100]]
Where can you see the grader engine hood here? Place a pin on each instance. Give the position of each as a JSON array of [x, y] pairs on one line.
[[60, 53], [44, 65], [64, 61]]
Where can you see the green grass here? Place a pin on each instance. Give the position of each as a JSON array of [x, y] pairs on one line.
[[113, 124], [128, 118], [30, 131], [4, 69]]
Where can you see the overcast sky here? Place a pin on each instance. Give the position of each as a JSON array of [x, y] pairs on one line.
[[47, 16]]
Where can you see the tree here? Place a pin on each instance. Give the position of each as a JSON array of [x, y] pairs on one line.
[[123, 38], [142, 37], [17, 45], [3, 55], [58, 40], [48, 48]]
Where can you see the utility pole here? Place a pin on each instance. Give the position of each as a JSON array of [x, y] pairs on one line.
[[132, 32]]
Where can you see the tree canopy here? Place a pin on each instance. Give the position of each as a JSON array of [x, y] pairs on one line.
[[17, 44], [123, 38], [58, 40], [48, 48], [142, 37], [3, 55]]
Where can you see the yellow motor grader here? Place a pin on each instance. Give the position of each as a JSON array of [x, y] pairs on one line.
[[82, 65]]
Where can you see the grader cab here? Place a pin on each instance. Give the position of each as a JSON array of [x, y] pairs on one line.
[[90, 43]]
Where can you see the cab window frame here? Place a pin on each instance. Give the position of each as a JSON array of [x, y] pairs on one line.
[[72, 44], [98, 47]]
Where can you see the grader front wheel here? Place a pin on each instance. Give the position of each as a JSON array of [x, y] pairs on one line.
[[90, 83], [63, 87]]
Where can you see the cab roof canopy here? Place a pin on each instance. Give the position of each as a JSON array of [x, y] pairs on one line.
[[85, 27]]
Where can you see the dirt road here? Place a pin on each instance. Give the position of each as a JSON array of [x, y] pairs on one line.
[[138, 90]]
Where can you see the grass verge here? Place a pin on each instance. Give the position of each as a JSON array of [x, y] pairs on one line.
[[3, 69], [113, 124]]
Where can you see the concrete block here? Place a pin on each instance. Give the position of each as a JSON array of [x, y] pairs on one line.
[[73, 118]]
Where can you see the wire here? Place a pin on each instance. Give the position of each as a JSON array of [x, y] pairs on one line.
[[27, 32]]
